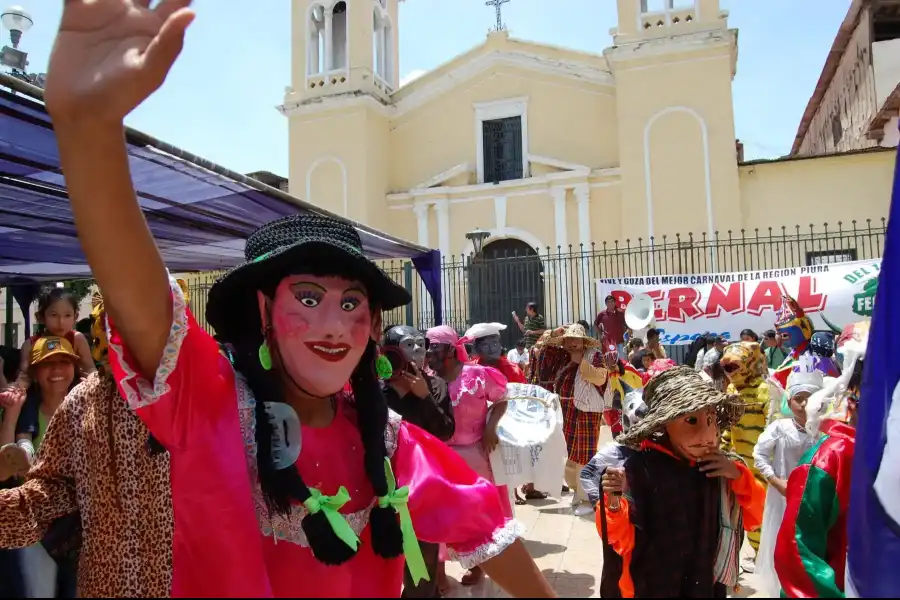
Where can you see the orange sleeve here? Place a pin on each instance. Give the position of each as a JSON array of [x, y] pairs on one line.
[[620, 534], [751, 495]]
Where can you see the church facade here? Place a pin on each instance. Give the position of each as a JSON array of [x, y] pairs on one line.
[[548, 147]]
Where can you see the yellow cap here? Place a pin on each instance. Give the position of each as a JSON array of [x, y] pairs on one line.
[[52, 345]]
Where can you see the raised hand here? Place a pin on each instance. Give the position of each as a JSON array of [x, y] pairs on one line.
[[110, 55], [12, 398]]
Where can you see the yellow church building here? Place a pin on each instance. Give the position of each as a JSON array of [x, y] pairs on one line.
[[551, 148]]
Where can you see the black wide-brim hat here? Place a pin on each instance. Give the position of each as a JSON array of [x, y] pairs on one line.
[[290, 245]]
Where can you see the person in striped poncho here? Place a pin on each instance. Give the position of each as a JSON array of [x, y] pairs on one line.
[[745, 367]]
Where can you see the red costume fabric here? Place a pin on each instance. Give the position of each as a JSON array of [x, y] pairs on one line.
[[811, 550], [511, 371]]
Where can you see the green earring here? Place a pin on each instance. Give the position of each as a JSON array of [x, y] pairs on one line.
[[265, 359], [383, 367]]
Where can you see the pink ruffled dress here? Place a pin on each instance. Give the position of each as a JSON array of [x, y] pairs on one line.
[[226, 544], [471, 395]]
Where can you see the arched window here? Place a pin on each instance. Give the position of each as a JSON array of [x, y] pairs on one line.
[[315, 41], [339, 36], [382, 45]]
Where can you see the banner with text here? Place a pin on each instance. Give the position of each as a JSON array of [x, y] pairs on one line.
[[726, 303]]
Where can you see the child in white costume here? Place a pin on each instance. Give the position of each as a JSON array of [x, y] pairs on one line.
[[777, 453]]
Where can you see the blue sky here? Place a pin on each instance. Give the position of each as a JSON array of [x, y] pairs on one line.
[[219, 101]]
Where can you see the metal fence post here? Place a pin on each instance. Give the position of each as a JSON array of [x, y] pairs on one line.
[[408, 283]]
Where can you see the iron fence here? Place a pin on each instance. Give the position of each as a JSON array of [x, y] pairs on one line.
[[562, 281]]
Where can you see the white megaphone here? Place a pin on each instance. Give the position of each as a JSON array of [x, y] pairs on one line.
[[639, 314]]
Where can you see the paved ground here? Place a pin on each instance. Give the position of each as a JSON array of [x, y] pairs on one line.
[[567, 550]]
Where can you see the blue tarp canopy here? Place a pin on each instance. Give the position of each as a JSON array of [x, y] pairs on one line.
[[199, 213]]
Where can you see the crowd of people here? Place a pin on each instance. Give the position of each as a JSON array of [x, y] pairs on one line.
[[309, 451]]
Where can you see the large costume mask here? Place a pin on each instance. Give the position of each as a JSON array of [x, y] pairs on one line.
[[486, 343], [792, 321], [684, 412], [743, 363], [404, 345]]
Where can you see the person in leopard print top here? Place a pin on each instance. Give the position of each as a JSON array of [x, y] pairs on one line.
[[99, 460]]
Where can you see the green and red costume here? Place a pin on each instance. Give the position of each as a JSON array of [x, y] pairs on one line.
[[811, 551]]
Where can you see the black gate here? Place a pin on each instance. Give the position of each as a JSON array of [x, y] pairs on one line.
[[506, 276]]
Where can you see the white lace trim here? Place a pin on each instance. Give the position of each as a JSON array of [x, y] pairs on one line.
[[288, 528], [138, 391], [503, 538]]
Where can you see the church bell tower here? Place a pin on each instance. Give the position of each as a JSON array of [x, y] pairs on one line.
[[342, 47], [344, 68], [674, 62]]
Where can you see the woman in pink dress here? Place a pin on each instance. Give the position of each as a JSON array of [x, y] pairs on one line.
[[283, 484], [477, 395]]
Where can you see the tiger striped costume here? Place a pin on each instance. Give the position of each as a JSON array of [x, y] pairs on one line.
[[745, 366]]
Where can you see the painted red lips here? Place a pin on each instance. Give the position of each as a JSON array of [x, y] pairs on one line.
[[328, 351]]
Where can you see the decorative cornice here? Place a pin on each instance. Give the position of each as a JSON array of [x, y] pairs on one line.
[[339, 102], [423, 90], [670, 46]]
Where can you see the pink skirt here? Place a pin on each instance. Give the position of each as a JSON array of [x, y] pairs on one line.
[[478, 461]]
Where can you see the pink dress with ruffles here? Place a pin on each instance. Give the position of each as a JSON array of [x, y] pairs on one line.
[[225, 542], [471, 396]]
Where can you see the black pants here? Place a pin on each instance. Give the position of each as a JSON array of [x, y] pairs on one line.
[[11, 583], [425, 589], [67, 578]]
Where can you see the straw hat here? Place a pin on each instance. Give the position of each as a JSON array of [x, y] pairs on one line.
[[676, 392], [573, 331]]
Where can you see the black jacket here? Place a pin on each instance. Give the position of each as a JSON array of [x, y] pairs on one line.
[[434, 414]]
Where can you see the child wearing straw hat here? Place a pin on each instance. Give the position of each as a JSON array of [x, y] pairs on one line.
[[678, 526]]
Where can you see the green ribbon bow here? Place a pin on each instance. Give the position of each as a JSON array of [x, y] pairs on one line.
[[330, 505], [398, 500]]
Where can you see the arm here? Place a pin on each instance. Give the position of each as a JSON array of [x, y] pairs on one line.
[[450, 504], [10, 416], [593, 370], [192, 385], [750, 495], [610, 455], [516, 573], [106, 60], [124, 259], [445, 423], [801, 548], [28, 510], [83, 350], [23, 380], [764, 450]]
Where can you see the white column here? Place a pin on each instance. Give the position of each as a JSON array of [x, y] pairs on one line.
[[500, 213], [426, 310], [329, 39], [312, 48], [420, 208], [442, 209], [562, 303], [589, 301], [382, 51], [559, 218]]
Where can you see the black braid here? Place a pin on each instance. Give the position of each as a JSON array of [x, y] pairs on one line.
[[282, 487], [372, 418]]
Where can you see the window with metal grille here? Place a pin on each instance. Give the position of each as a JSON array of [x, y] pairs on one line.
[[502, 149], [827, 257]]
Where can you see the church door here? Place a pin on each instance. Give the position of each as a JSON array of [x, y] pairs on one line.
[[506, 276]]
